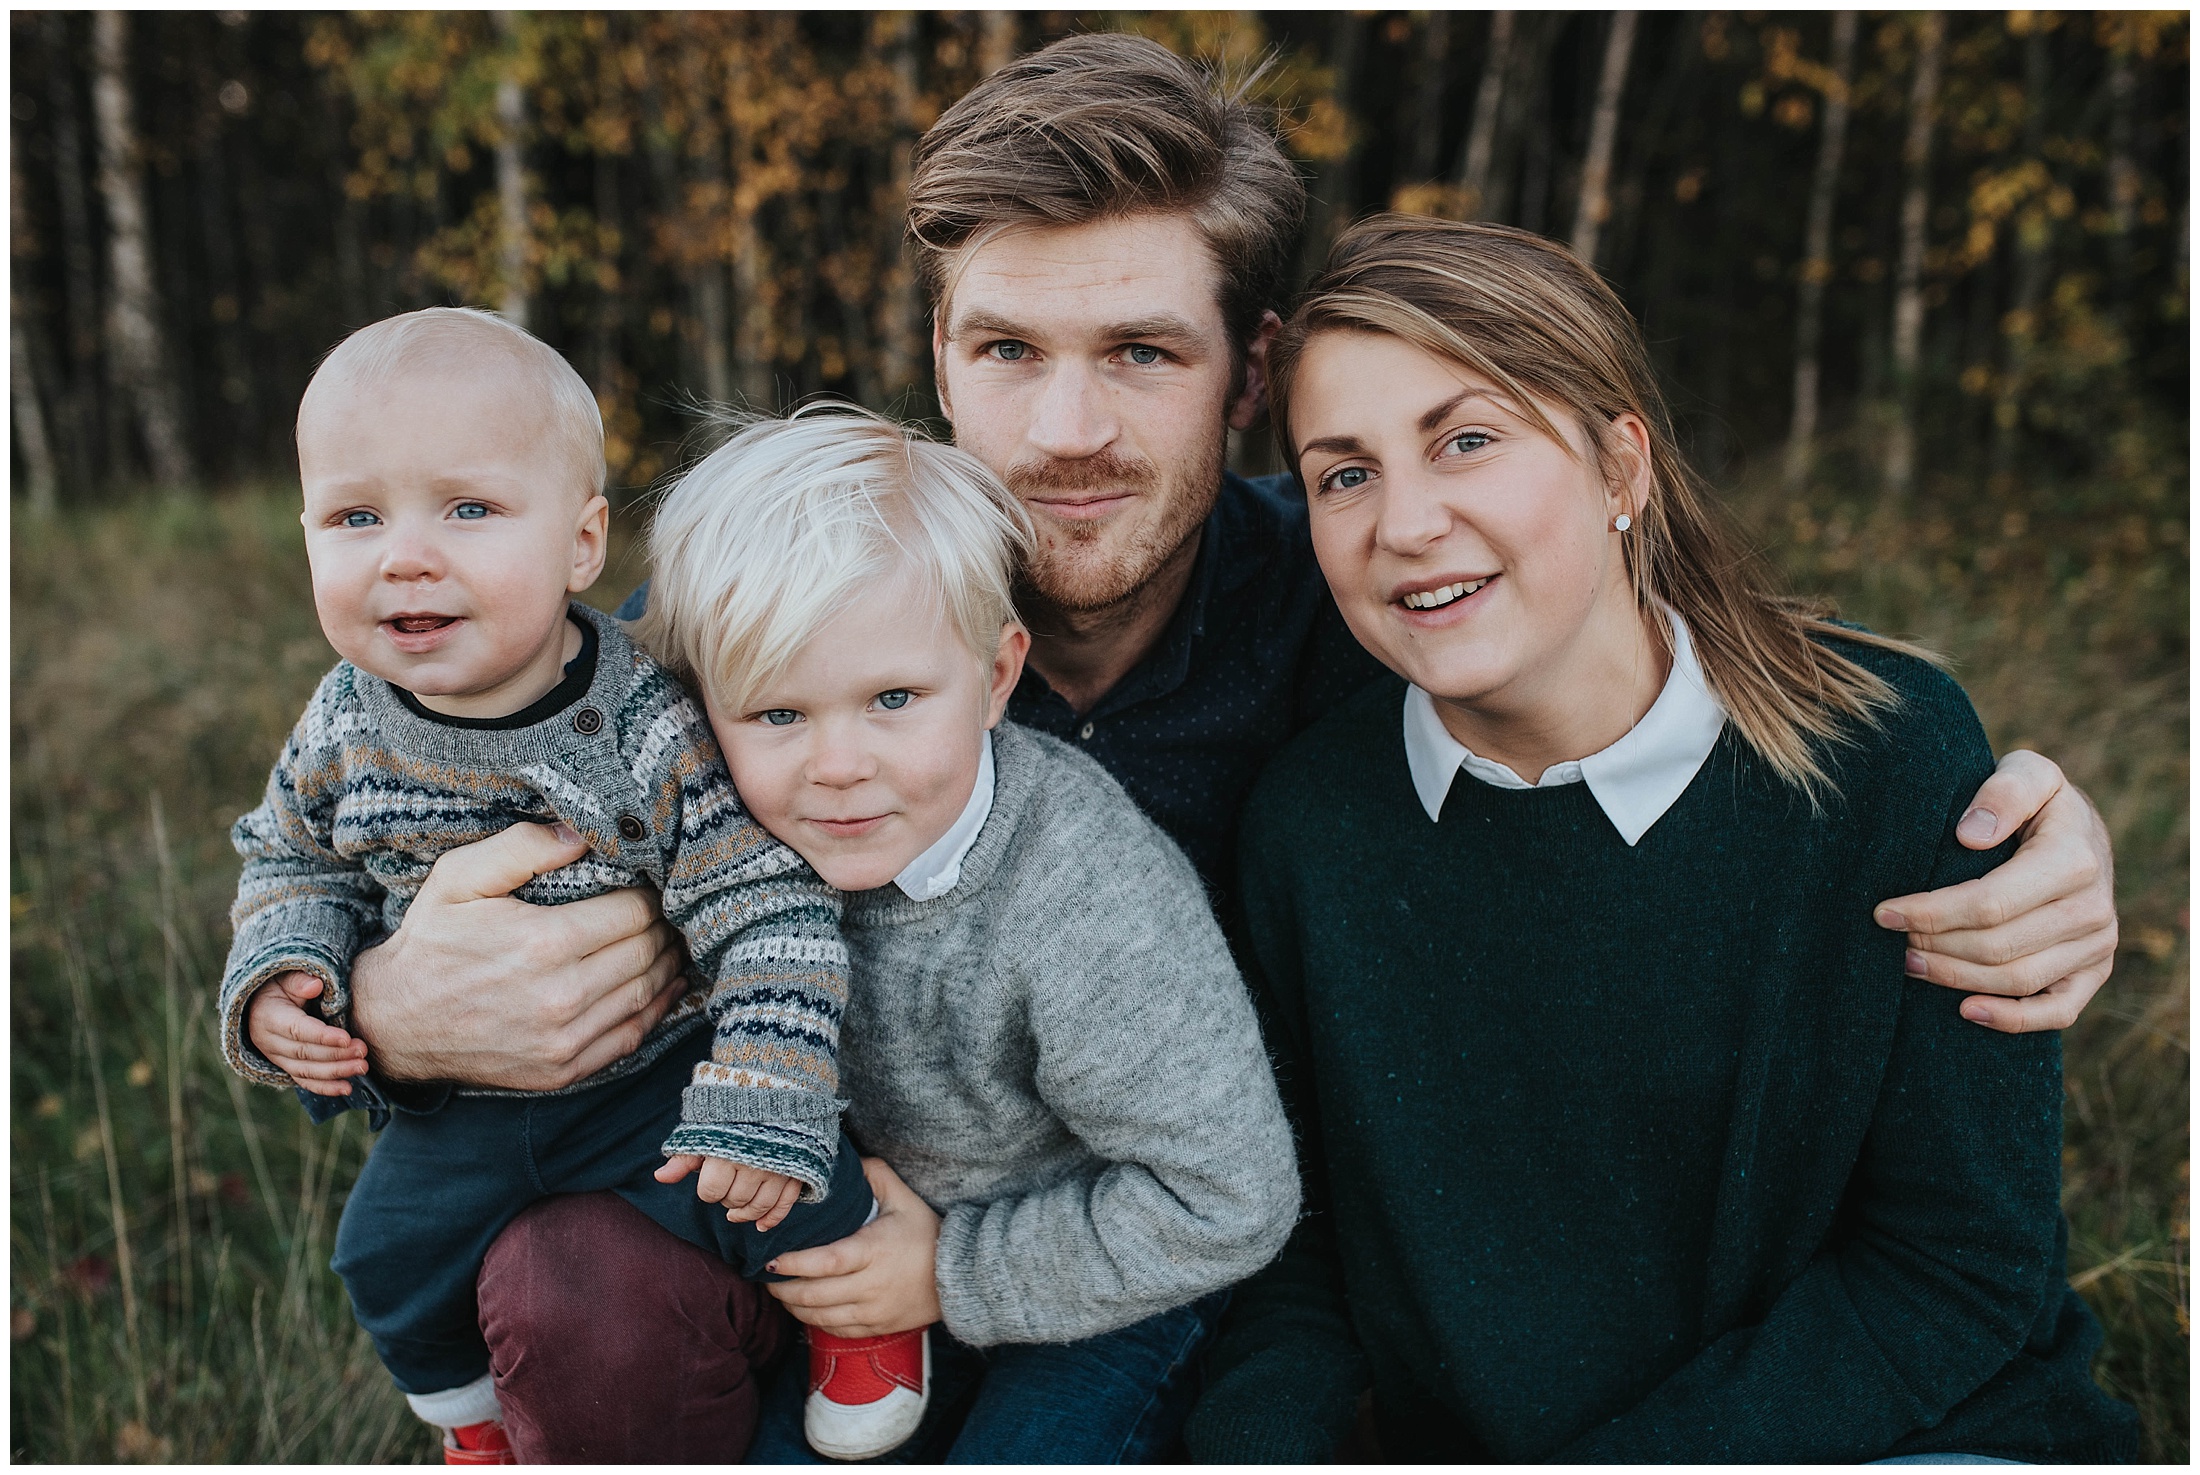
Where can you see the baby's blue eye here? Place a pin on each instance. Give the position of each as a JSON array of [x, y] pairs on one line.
[[1143, 353], [781, 716], [893, 701], [361, 519], [470, 511]]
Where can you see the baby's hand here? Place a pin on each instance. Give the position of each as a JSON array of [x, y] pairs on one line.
[[749, 1194], [320, 1057]]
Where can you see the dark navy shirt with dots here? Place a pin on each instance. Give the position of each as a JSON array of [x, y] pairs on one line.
[[1255, 652]]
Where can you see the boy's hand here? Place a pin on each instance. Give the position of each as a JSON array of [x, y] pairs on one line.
[[320, 1057], [750, 1195], [879, 1280]]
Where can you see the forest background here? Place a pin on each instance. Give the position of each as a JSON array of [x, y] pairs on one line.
[[1917, 283]]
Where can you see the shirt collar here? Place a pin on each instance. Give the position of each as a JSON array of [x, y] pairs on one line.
[[1634, 781], [935, 872]]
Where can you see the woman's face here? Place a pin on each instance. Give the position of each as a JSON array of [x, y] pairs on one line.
[[1471, 552]]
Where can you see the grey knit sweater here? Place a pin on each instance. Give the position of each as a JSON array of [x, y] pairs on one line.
[[368, 793], [1060, 1057]]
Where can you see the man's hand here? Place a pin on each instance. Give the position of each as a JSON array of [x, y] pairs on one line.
[[479, 988], [751, 1195], [2039, 931], [877, 1280], [320, 1057]]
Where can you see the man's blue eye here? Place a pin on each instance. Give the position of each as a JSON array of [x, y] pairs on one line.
[[1144, 353], [361, 520], [893, 701], [1010, 351], [470, 511], [780, 716]]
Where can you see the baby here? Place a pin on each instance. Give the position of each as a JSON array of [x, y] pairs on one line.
[[1046, 1037], [453, 471]]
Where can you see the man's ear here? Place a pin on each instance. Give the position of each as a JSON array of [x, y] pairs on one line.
[[939, 368], [1252, 396]]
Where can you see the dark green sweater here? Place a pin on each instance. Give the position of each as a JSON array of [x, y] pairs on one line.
[[1650, 1153]]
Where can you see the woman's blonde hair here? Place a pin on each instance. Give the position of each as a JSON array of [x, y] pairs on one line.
[[762, 542], [1531, 319]]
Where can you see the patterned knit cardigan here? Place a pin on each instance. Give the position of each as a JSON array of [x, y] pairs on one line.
[[367, 794]]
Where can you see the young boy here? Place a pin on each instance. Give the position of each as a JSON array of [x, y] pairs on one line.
[[453, 472], [1046, 1036]]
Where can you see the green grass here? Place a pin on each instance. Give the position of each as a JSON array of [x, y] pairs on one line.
[[170, 1228]]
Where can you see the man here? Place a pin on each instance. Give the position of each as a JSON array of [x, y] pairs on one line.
[[1104, 242]]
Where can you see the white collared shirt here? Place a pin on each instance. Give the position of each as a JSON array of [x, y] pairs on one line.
[[1634, 781], [935, 872]]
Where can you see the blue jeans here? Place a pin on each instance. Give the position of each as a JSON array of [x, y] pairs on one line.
[[1117, 1399], [438, 1189]]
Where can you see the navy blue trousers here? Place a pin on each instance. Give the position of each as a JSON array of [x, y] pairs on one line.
[[439, 1188]]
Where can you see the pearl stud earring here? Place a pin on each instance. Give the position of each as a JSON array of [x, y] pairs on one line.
[[1623, 522]]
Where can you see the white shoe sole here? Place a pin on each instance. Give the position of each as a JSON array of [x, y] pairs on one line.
[[864, 1431]]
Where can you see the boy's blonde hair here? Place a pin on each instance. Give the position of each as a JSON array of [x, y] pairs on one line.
[[437, 336], [767, 538]]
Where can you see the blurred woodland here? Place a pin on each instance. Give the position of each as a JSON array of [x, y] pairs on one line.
[[1917, 283], [1977, 222]]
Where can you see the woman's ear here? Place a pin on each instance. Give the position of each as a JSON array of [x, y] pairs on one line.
[[1631, 474], [1008, 669]]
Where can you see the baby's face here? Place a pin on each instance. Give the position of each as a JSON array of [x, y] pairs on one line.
[[866, 750], [446, 524]]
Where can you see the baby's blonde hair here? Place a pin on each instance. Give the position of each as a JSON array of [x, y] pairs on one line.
[[762, 542], [435, 337]]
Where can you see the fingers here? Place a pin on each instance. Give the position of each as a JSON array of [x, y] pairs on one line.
[[299, 988], [886, 1184], [2021, 787], [276, 1018], [2020, 979], [2085, 917], [841, 1257], [596, 923], [323, 1088], [678, 1166], [2039, 873], [501, 864], [716, 1178], [790, 1194], [2055, 1007]]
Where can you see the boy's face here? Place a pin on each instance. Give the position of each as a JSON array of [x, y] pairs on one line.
[[864, 752], [446, 523]]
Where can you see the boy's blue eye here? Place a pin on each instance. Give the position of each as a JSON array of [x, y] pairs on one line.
[[1143, 354], [470, 511], [360, 518], [893, 701], [781, 716]]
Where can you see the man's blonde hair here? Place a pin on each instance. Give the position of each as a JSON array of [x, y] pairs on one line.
[[767, 538], [435, 337]]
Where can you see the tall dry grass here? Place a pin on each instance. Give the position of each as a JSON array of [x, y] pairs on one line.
[[170, 1228]]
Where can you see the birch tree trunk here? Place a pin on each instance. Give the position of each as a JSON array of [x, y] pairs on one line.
[[1481, 148], [1594, 206], [511, 176], [902, 338], [136, 354], [1909, 288], [80, 410], [1810, 297], [998, 42], [31, 439]]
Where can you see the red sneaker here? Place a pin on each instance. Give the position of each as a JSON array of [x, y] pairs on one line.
[[478, 1444], [867, 1394]]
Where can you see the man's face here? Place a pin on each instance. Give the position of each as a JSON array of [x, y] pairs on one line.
[[1089, 367]]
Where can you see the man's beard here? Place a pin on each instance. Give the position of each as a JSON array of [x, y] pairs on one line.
[[1082, 567]]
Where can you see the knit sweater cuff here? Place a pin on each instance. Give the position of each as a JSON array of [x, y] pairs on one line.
[[248, 974], [1284, 1405], [795, 1133]]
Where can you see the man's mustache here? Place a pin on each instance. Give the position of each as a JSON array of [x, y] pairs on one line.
[[1107, 470]]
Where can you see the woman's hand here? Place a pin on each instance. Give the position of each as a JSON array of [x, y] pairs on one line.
[[2033, 939], [478, 988], [879, 1279]]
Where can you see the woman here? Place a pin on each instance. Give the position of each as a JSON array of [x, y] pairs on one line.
[[1624, 1134]]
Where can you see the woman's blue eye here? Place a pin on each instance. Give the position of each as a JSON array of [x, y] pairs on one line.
[[1349, 478], [1469, 440], [893, 701], [1010, 351], [781, 716], [470, 511], [361, 519], [1143, 353]]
